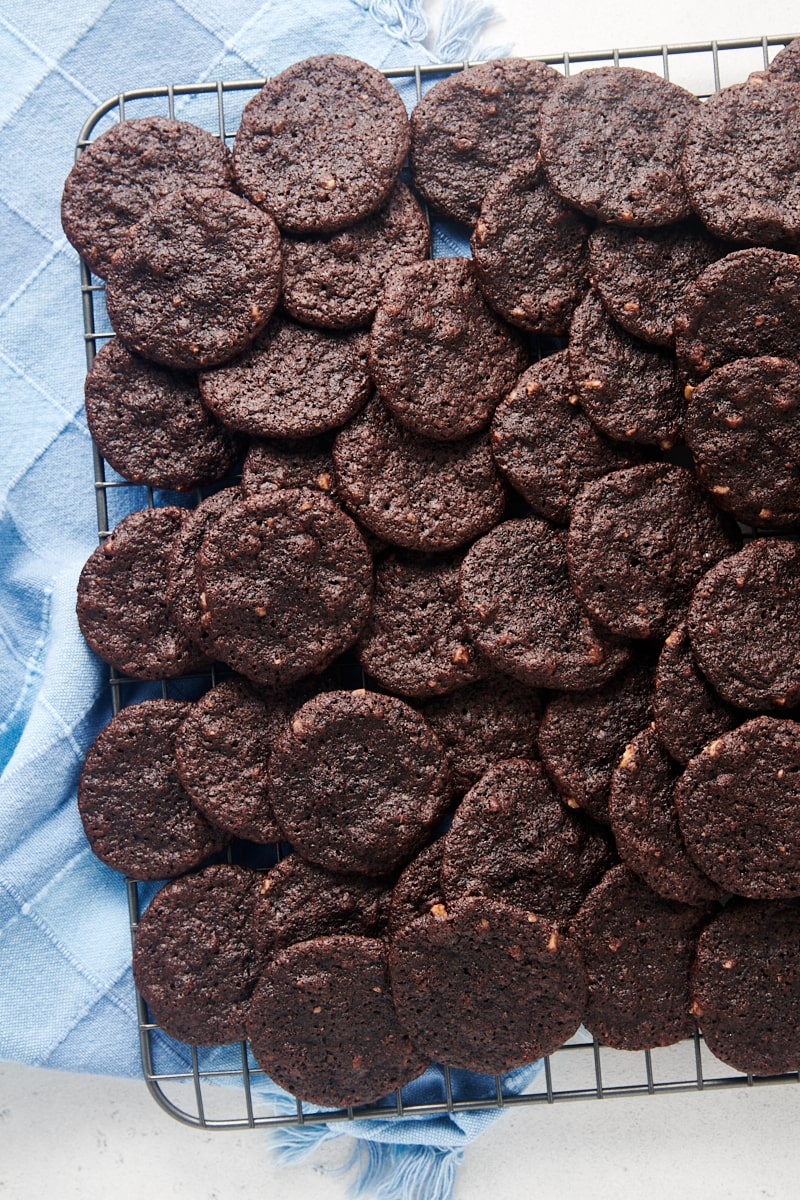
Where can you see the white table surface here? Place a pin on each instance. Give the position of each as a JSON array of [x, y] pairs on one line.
[[76, 1137]]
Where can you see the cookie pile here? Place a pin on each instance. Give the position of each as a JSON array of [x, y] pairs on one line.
[[567, 789]]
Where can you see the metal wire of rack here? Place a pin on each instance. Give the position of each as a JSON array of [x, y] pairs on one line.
[[582, 1069]]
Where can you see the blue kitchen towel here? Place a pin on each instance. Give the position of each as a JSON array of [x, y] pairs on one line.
[[66, 994]]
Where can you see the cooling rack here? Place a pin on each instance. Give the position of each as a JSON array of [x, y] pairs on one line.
[[582, 1069]]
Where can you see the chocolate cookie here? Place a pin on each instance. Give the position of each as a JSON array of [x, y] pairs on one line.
[[440, 358], [642, 275], [743, 429], [136, 814], [468, 128], [292, 382], [639, 541], [687, 712], [611, 144], [289, 464], [744, 305], [485, 986], [183, 588], [195, 279], [417, 889], [519, 608], [629, 390], [193, 957], [321, 145], [122, 609], [544, 444], [638, 949], [739, 162], [786, 63], [335, 282], [738, 804], [119, 176], [644, 821], [529, 250], [357, 781], [323, 1025], [583, 736], [743, 628], [415, 492], [286, 584], [746, 987]]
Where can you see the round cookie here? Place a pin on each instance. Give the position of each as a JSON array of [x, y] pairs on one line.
[[786, 63], [150, 424], [323, 1025], [414, 642], [628, 389], [738, 805], [183, 587], [530, 252], [582, 736], [544, 444], [335, 282], [471, 125], [195, 279], [485, 986], [611, 144], [743, 429], [321, 145], [194, 960], [414, 492], [744, 305], [743, 628], [286, 585], [307, 463], [122, 608], [642, 275], [357, 781], [440, 358], [639, 540], [136, 814], [746, 987], [292, 382], [687, 712], [740, 162], [519, 608], [644, 821], [638, 949], [417, 889], [120, 174]]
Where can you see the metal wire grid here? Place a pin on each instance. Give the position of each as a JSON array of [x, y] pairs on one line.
[[582, 1069]]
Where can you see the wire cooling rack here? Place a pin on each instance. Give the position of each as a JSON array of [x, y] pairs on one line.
[[582, 1069]]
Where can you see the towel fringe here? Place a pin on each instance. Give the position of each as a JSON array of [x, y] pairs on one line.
[[403, 19], [461, 25]]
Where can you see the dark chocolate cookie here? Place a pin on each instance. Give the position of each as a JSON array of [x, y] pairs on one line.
[[639, 541], [135, 812], [612, 139], [335, 282], [746, 987], [194, 960], [183, 588], [520, 610], [440, 358], [687, 712], [468, 128], [119, 176], [412, 491], [122, 607], [743, 429], [786, 63], [321, 144], [743, 626], [286, 584], [486, 986], [195, 279], [545, 445], [323, 1025], [417, 889], [638, 949], [740, 159], [530, 253], [307, 463], [357, 781], [738, 805], [293, 382], [629, 389]]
